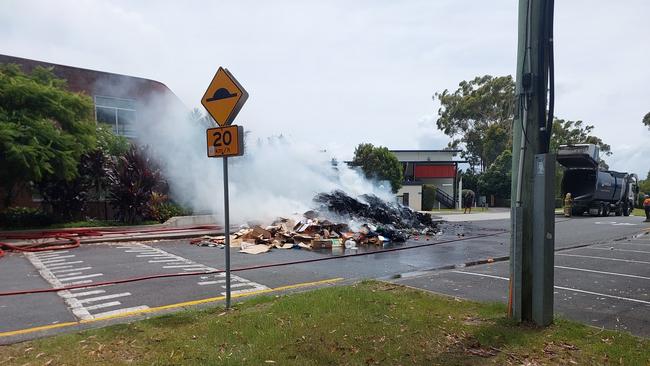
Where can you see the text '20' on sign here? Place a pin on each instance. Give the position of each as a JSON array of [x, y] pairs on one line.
[[225, 141]]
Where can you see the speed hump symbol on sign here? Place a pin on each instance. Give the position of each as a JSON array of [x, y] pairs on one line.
[[225, 141], [224, 97]]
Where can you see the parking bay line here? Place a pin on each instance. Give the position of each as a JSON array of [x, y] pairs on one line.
[[620, 250], [595, 257], [562, 288], [603, 272]]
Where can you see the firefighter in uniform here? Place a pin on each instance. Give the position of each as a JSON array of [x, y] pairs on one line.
[[646, 207], [568, 201]]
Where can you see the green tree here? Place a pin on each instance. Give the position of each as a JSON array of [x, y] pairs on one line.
[[377, 162], [646, 120], [44, 128], [478, 115], [68, 197], [470, 179], [566, 132], [496, 179]]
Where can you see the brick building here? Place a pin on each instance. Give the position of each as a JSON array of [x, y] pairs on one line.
[[119, 103]]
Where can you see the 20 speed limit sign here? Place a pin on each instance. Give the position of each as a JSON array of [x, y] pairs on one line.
[[225, 141]]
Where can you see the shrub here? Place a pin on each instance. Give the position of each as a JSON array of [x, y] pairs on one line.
[[168, 210], [133, 179], [428, 197], [17, 217]]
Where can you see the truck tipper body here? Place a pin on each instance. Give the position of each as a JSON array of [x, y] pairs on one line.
[[594, 191]]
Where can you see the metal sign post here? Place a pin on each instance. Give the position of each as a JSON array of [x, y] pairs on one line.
[[223, 99], [226, 210]]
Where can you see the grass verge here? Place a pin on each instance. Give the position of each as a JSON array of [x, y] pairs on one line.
[[368, 323]]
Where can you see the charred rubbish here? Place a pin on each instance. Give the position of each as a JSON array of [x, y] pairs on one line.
[[340, 221]]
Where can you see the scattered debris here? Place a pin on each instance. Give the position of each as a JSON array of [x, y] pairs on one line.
[[340, 221]]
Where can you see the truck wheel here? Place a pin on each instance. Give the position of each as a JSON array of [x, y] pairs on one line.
[[619, 211], [600, 210], [606, 210]]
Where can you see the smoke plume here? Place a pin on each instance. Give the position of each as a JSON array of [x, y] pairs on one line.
[[276, 176]]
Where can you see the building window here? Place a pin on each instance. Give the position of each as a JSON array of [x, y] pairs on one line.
[[117, 114]]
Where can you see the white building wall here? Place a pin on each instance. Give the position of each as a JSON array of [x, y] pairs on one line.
[[423, 156], [415, 196]]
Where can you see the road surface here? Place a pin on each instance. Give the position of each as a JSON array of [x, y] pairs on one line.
[[31, 315]]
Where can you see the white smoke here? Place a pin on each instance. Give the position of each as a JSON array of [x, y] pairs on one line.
[[276, 177]]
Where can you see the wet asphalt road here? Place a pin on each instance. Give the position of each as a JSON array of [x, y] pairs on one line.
[[112, 261]]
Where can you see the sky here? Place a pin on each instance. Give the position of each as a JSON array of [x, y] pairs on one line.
[[338, 73]]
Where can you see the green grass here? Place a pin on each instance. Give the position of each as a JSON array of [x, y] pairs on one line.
[[638, 212], [365, 324]]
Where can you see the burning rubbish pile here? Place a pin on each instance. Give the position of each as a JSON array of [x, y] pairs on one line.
[[339, 220]]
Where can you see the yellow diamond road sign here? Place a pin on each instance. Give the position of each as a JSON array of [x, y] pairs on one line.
[[224, 97]]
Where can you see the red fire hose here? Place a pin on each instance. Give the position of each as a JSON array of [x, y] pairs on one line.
[[69, 238]]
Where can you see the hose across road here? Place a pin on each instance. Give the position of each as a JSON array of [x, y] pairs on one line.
[[247, 268], [70, 238]]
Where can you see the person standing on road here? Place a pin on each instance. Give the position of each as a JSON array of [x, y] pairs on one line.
[[568, 201], [646, 207], [468, 200]]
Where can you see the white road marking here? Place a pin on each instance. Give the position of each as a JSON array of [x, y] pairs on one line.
[[64, 264], [563, 288], [104, 305], [86, 293], [191, 266], [81, 277], [187, 265], [151, 255], [203, 283], [79, 283], [105, 297], [71, 269], [620, 250], [165, 260], [57, 258], [78, 310], [603, 272], [606, 258], [120, 311], [47, 269], [50, 253], [69, 274]]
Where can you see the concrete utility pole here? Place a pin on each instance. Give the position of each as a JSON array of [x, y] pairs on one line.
[[533, 191]]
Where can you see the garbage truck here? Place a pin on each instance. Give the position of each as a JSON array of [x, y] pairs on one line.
[[594, 191]]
